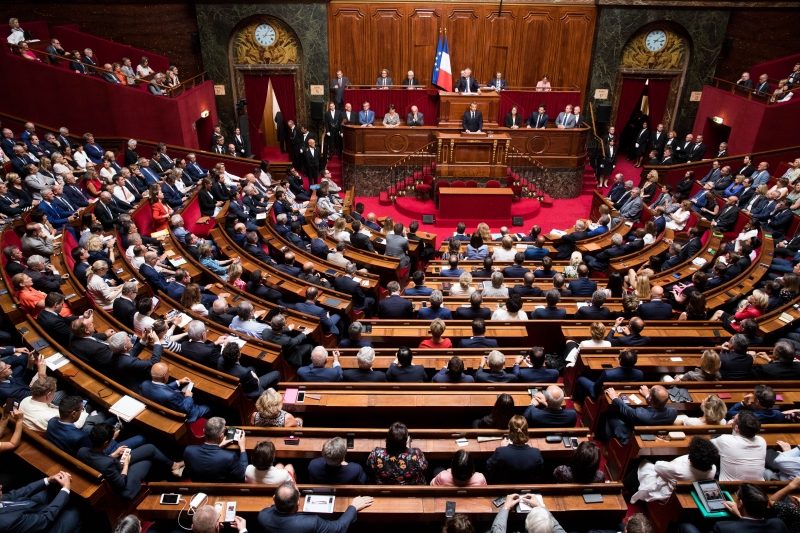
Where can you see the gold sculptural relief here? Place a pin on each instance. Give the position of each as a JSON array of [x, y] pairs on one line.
[[246, 50], [671, 56]]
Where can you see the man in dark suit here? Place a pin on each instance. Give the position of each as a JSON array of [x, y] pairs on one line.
[[632, 333], [478, 339], [257, 286], [781, 367], [698, 150], [337, 89], [780, 220], [253, 249], [15, 376], [252, 384], [354, 340], [9, 206], [692, 246], [126, 367], [151, 275], [656, 308], [284, 515], [198, 348], [219, 314], [625, 372], [618, 188], [486, 271], [410, 80], [311, 155], [474, 310], [333, 130], [415, 118], [538, 120], [497, 366], [551, 312], [683, 150], [535, 372], [583, 286], [600, 261], [124, 306], [567, 242], [295, 346], [169, 394], [348, 285], [546, 410], [526, 289], [657, 413], [595, 311], [516, 270], [211, 462], [317, 370], [472, 119], [364, 373], [467, 84], [310, 307], [43, 275], [403, 370], [88, 348], [395, 306], [35, 508], [658, 139], [727, 216], [57, 326]]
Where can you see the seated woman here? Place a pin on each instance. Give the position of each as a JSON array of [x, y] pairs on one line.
[[270, 413], [583, 466], [91, 182], [30, 300], [714, 411], [340, 231], [262, 471], [192, 300], [655, 482], [598, 332], [513, 119], [98, 288], [571, 270], [142, 319], [710, 364], [502, 411], [695, 307], [453, 248], [711, 208], [217, 267], [397, 463], [436, 341], [512, 310], [235, 276], [453, 372], [476, 249], [735, 188], [506, 252], [483, 230], [99, 250], [26, 52], [391, 119], [143, 68], [497, 289], [782, 188], [460, 474], [753, 307], [463, 288], [515, 461]]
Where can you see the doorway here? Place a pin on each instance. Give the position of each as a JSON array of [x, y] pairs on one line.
[[204, 128], [713, 134]]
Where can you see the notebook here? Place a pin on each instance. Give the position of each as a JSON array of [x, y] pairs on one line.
[[127, 408]]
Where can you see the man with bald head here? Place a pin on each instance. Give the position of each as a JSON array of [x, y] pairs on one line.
[[415, 118], [546, 410], [173, 395], [632, 332], [656, 413], [656, 308], [310, 276], [527, 288]]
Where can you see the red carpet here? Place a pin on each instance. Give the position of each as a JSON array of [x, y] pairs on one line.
[[273, 154]]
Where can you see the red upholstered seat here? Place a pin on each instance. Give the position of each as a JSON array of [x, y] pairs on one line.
[[458, 184], [423, 191], [508, 171], [472, 184], [546, 200], [433, 165], [517, 193], [442, 183], [410, 181], [426, 170], [417, 175], [401, 186], [427, 180], [492, 184]]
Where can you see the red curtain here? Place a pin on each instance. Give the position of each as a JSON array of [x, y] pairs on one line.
[[631, 92], [283, 86], [657, 93], [255, 88], [403, 99]]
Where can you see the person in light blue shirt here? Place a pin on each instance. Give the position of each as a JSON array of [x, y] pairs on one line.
[[208, 261], [783, 465], [602, 226], [366, 117]]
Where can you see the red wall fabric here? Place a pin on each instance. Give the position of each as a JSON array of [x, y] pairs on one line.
[[657, 93], [379, 99], [106, 51], [255, 88], [777, 69], [283, 87], [528, 102], [628, 98], [57, 96], [40, 30]]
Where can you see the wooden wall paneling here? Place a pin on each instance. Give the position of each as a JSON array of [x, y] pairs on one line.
[[574, 46], [423, 24], [349, 46], [537, 28], [389, 27], [500, 51], [467, 42]]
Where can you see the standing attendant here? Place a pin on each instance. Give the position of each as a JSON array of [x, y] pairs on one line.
[[333, 129]]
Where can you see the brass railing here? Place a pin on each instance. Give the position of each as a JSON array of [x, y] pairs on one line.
[[526, 167], [414, 162]]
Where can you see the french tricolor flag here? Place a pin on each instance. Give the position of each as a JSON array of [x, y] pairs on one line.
[[442, 73]]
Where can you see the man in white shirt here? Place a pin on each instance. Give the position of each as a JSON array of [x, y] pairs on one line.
[[743, 453]]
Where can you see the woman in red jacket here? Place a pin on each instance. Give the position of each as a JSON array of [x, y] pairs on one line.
[[756, 306], [161, 211]]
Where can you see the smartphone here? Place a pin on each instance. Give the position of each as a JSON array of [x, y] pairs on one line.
[[567, 443], [351, 442], [450, 509], [499, 501], [231, 433], [624, 398], [236, 298], [574, 441], [230, 512], [83, 404], [291, 441], [218, 507], [9, 406], [424, 304], [593, 498], [301, 397], [533, 390], [170, 499], [301, 328]]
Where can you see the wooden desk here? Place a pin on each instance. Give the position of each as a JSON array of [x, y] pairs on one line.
[[494, 204], [452, 107], [474, 155]]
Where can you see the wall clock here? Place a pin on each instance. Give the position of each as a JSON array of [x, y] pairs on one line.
[[655, 40], [265, 34]]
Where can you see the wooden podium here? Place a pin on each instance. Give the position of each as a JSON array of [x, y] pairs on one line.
[[452, 107], [471, 155]]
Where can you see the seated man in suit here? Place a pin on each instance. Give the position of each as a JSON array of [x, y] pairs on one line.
[[538, 119], [657, 413], [546, 270], [527, 288], [474, 310], [284, 515], [317, 370], [435, 310], [516, 270], [583, 286], [395, 306], [253, 385], [472, 119], [332, 469], [171, 395], [453, 271], [212, 462], [727, 216], [15, 376], [86, 347], [295, 346], [45, 277], [630, 211], [567, 243], [403, 370], [348, 285], [538, 250], [632, 331], [535, 371], [498, 83], [782, 365], [198, 348], [778, 224], [595, 311], [497, 365], [415, 118], [353, 339], [656, 308], [124, 306], [761, 403], [35, 508], [126, 367], [551, 312], [467, 83], [364, 373], [419, 288], [478, 339], [600, 261], [625, 372], [287, 266], [359, 239], [546, 410], [310, 307]]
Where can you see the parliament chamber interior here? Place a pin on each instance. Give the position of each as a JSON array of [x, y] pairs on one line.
[[336, 265]]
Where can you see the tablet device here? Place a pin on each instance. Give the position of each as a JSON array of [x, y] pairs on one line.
[[710, 495]]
